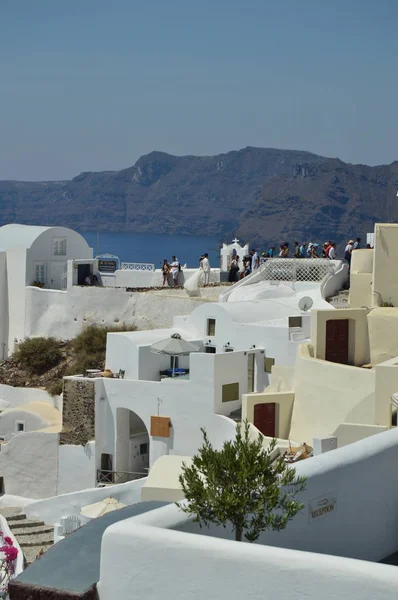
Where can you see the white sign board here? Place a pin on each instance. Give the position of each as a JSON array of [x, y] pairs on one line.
[[323, 506]]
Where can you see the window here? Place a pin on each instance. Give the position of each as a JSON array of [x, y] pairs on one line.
[[295, 322], [228, 349], [230, 392], [210, 349], [143, 449], [268, 364], [59, 246], [19, 426], [40, 272], [211, 327]]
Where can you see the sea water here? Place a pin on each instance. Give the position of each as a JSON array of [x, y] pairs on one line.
[[154, 248]]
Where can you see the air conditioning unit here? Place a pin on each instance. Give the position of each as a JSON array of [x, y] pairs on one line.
[[325, 444]]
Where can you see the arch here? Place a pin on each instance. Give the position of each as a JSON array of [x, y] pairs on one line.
[[132, 444]]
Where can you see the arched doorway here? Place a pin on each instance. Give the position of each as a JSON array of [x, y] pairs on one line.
[[132, 445]]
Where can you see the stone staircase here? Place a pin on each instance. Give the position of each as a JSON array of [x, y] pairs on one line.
[[32, 536]]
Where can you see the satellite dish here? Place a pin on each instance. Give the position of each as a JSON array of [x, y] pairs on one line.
[[305, 303]]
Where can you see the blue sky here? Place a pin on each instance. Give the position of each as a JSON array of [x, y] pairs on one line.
[[94, 84]]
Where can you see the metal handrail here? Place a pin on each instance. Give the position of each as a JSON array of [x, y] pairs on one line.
[[114, 477]]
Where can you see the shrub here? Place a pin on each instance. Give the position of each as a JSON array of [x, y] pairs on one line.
[[38, 355], [89, 347], [56, 387]]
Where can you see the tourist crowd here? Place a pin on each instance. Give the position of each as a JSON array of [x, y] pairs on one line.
[[303, 250]]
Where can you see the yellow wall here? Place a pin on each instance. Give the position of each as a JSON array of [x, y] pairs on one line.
[[386, 386], [326, 394], [362, 261], [358, 333], [281, 379], [348, 433], [385, 271], [383, 334], [284, 405], [360, 288]]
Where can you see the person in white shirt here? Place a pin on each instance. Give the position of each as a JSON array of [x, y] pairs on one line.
[[348, 251], [175, 269], [206, 269], [332, 252], [254, 260]]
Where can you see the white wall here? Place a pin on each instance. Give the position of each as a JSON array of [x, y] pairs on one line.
[[64, 314], [76, 468], [29, 465], [52, 509], [42, 251], [16, 277], [364, 522], [11, 397], [157, 562], [135, 279], [3, 306], [32, 422]]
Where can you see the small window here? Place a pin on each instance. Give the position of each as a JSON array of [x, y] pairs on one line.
[[228, 349], [40, 272], [230, 392], [59, 246], [19, 426], [210, 349], [143, 449], [268, 364], [295, 322], [211, 327]]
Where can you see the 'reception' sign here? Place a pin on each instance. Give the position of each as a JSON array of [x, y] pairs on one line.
[[323, 506], [107, 266]]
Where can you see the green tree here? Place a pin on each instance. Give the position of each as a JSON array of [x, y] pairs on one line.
[[242, 485]]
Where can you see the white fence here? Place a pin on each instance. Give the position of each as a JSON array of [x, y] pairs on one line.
[[296, 269], [127, 266]]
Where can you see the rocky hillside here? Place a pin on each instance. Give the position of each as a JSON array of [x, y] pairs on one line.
[[258, 194]]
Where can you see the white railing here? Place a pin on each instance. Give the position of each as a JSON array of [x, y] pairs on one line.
[[137, 266], [64, 281], [296, 269]]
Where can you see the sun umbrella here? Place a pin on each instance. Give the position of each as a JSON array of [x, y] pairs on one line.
[[101, 508], [174, 346]]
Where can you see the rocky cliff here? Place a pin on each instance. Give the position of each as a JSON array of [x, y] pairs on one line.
[[256, 193]]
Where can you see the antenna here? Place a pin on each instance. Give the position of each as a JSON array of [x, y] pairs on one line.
[[305, 303]]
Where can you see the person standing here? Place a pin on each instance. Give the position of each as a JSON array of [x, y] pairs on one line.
[[357, 244], [332, 252], [234, 270], [175, 270], [255, 261], [165, 271], [271, 251], [206, 269], [296, 253], [348, 251]]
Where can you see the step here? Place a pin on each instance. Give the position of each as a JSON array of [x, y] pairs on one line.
[[24, 523], [10, 511], [31, 552], [33, 529], [27, 541], [18, 517]]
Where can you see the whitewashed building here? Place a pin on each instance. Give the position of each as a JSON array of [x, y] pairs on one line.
[[31, 256]]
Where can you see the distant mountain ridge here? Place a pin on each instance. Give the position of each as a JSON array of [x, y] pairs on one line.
[[259, 194]]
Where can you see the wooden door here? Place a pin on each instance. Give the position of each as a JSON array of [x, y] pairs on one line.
[[264, 418], [337, 341]]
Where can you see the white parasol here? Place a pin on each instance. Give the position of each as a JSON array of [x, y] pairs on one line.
[[174, 346], [101, 508]]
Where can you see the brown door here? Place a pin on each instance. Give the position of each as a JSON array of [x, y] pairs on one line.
[[337, 341], [264, 418], [250, 373]]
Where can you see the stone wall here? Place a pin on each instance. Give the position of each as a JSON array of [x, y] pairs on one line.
[[78, 412]]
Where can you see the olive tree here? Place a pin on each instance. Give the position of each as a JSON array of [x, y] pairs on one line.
[[241, 485]]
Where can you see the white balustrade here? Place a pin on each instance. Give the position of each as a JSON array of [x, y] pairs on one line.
[[127, 266]]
